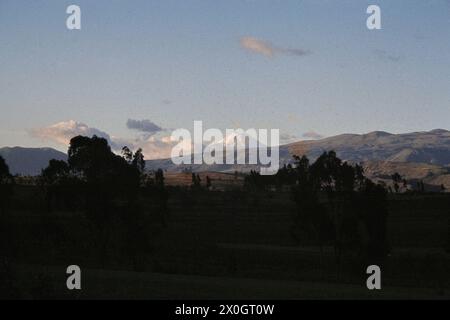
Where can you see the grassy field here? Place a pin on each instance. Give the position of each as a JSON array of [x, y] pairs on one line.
[[49, 282], [224, 245]]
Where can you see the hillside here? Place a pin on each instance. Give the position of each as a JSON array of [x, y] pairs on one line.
[[416, 156], [29, 161], [431, 147]]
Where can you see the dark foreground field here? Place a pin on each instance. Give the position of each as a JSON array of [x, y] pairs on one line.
[[215, 244]]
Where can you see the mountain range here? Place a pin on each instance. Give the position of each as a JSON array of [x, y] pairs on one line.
[[432, 147], [417, 155]]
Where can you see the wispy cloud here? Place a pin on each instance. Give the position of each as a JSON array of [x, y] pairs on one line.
[[312, 135], [387, 57], [257, 46], [268, 49]]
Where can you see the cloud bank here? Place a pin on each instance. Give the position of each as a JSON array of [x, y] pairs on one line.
[[154, 141]]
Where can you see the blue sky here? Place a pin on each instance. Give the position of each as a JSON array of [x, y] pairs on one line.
[[173, 62]]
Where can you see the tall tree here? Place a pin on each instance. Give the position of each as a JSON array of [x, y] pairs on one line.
[[111, 185], [6, 182], [54, 180], [138, 160], [396, 179], [56, 170]]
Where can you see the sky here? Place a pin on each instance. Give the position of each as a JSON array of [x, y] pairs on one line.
[[139, 69]]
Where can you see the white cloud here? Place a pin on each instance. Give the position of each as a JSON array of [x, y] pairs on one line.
[[62, 132], [154, 146], [157, 146]]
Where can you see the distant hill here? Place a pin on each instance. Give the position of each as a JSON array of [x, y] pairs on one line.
[[29, 161], [430, 174], [431, 147], [416, 156]]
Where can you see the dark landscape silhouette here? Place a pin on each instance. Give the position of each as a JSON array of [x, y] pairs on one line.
[[311, 229]]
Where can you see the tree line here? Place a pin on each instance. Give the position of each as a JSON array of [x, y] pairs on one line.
[[336, 205]]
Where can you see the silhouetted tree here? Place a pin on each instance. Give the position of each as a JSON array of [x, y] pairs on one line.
[[285, 176], [6, 185], [353, 200], [159, 178], [359, 176], [313, 218], [55, 180], [111, 183], [325, 171], [93, 160], [448, 229], [155, 190], [7, 289], [257, 182], [396, 179], [337, 181], [196, 181], [208, 182], [420, 186], [138, 161], [405, 184], [374, 214], [127, 154], [57, 169]]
